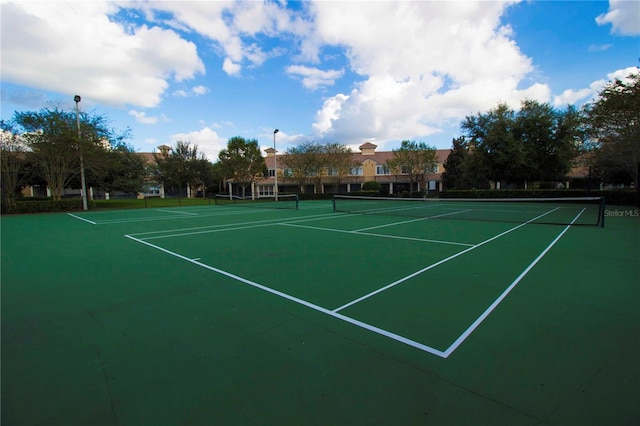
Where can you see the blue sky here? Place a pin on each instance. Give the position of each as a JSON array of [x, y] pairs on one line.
[[346, 72]]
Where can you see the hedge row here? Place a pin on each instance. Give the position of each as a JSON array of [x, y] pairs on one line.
[[45, 206], [622, 198]]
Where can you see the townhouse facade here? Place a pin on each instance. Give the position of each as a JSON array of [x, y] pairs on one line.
[[371, 165]]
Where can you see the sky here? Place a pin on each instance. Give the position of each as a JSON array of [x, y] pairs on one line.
[[345, 72]]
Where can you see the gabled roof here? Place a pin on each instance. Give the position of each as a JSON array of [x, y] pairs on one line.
[[367, 145]]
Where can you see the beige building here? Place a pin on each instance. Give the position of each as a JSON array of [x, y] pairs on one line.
[[371, 167]]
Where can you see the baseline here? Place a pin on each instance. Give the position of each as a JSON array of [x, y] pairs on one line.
[[177, 212], [81, 218], [181, 216], [227, 227]]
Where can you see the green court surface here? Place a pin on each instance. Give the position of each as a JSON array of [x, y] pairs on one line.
[[221, 315]]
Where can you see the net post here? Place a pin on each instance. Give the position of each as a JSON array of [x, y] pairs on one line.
[[297, 200], [602, 209], [333, 200]]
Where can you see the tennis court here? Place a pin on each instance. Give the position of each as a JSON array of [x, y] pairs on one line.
[[322, 314]]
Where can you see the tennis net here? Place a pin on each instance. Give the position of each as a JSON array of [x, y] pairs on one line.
[[283, 201], [561, 211]]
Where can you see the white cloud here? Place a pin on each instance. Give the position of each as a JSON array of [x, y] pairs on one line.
[[329, 112], [207, 140], [142, 118], [231, 68], [424, 64], [624, 17], [314, 78], [194, 91], [200, 90], [600, 47], [95, 56], [231, 25], [571, 96]]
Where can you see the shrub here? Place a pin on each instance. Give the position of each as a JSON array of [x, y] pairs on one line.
[[623, 198], [47, 205], [371, 186]]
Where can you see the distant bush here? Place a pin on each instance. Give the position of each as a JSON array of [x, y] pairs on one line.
[[44, 205], [622, 198], [371, 186]]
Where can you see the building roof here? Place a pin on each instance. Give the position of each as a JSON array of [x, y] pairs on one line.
[[380, 157], [368, 145], [147, 157]]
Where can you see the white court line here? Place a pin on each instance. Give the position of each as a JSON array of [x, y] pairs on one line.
[[376, 235], [211, 228], [504, 294], [82, 218], [177, 211], [411, 221], [310, 305], [209, 231], [149, 219], [401, 280], [229, 227]]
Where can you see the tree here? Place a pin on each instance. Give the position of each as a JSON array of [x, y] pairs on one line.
[[120, 170], [492, 137], [242, 161], [204, 175], [415, 159], [537, 143], [613, 125], [52, 137], [550, 140], [13, 151], [304, 162], [217, 178], [180, 167], [339, 162], [454, 174]]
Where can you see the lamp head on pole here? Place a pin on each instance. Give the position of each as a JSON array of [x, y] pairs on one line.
[[77, 98], [275, 131]]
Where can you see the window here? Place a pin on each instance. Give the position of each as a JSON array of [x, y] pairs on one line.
[[356, 171], [152, 190], [265, 190], [332, 172], [272, 173], [382, 170]]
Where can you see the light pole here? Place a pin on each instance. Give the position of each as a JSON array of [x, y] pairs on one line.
[[275, 164], [77, 99]]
